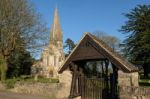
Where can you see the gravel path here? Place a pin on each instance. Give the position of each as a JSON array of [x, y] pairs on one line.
[[10, 95]]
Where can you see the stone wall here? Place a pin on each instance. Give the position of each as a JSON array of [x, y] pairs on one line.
[[2, 87], [36, 88], [132, 92], [65, 78], [56, 90], [51, 90], [128, 79], [129, 86]]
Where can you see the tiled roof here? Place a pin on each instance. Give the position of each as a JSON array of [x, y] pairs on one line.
[[112, 56]]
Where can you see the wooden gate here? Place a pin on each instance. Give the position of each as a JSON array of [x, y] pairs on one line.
[[96, 88], [93, 89]]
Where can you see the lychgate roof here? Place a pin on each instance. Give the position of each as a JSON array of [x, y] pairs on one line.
[[91, 47]]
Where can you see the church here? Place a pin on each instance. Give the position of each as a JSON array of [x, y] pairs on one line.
[[52, 55]]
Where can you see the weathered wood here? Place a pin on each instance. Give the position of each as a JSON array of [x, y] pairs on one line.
[[86, 52], [115, 82], [106, 72], [94, 89], [76, 81], [74, 77]]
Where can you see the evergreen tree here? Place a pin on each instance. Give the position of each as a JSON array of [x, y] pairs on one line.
[[19, 63], [137, 43], [69, 45]]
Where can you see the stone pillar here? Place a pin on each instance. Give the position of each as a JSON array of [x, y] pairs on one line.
[[125, 82], [135, 79], [128, 79], [65, 79]]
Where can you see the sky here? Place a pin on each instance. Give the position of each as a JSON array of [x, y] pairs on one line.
[[80, 16]]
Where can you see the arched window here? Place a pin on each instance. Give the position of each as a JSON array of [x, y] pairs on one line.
[[47, 60]]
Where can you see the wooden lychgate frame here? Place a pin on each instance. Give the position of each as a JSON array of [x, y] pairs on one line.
[[102, 85]]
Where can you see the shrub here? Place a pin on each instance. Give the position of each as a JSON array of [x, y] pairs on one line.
[[10, 83], [54, 80]]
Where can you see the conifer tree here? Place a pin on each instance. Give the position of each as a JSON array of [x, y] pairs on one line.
[[137, 43]]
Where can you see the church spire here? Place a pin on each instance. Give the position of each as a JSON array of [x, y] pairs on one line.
[[55, 32]]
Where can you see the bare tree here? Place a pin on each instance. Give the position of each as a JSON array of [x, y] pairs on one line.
[[20, 28], [111, 41]]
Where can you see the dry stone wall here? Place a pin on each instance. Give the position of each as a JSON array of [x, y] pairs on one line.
[[55, 90], [132, 92], [45, 89], [65, 78], [129, 87], [128, 79], [2, 87], [51, 90]]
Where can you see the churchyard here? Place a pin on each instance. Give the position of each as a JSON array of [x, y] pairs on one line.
[[36, 62]]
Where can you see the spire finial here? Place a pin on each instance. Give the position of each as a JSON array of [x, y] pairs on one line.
[[55, 33], [56, 8]]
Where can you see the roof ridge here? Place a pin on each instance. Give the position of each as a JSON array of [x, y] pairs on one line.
[[113, 53]]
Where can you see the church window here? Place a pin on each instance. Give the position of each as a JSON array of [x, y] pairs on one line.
[[54, 60], [47, 60], [59, 59]]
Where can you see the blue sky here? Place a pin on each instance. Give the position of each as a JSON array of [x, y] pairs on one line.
[[80, 16]]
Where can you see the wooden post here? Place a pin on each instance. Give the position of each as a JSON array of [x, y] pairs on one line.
[[75, 89], [82, 83], [106, 71], [74, 68], [115, 82]]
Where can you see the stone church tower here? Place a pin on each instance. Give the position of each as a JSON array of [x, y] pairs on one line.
[[53, 54]]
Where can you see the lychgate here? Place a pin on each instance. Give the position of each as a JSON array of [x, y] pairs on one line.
[[94, 66]]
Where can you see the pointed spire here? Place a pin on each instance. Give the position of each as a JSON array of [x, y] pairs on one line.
[[55, 33]]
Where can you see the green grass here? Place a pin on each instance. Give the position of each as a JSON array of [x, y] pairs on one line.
[[43, 80], [9, 83]]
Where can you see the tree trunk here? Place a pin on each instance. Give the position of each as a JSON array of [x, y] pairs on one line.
[[3, 67], [146, 69]]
